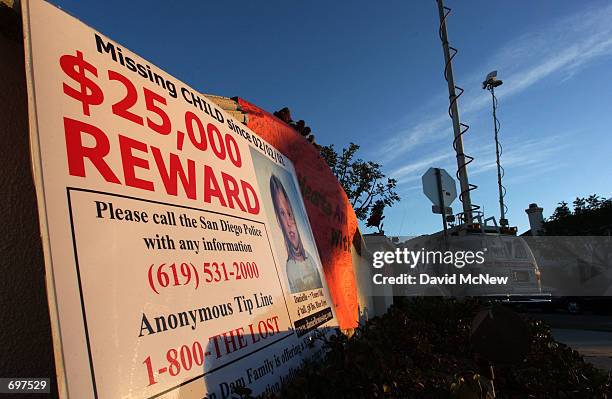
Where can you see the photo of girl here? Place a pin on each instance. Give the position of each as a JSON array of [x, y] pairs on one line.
[[301, 269]]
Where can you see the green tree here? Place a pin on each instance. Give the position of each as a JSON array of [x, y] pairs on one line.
[[579, 205], [594, 201], [363, 181], [561, 211], [592, 216], [376, 216]]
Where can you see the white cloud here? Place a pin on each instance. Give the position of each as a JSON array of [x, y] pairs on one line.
[[427, 130], [536, 153], [415, 169], [560, 48]]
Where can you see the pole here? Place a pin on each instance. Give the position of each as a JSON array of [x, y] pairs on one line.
[[442, 205], [492, 380], [461, 167], [502, 210]]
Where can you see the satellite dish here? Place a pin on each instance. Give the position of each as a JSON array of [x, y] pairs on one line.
[[491, 75], [491, 80]]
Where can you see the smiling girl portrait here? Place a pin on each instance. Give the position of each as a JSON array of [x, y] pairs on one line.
[[301, 269]]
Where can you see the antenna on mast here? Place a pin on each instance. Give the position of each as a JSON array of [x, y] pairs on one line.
[[490, 83], [459, 129]]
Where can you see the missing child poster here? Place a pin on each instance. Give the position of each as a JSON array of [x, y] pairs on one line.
[[180, 260]]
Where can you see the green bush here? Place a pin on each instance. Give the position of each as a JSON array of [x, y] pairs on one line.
[[421, 349]]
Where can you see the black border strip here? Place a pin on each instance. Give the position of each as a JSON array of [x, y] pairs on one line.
[[76, 258], [301, 331], [86, 190]]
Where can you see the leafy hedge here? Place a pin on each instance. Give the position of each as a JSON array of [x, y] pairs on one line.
[[421, 349]]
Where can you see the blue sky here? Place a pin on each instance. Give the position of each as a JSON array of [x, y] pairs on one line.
[[359, 71]]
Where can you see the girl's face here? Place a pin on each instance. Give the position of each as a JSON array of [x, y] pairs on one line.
[[287, 219]]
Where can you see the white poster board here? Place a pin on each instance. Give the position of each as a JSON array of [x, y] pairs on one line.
[[179, 257]]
